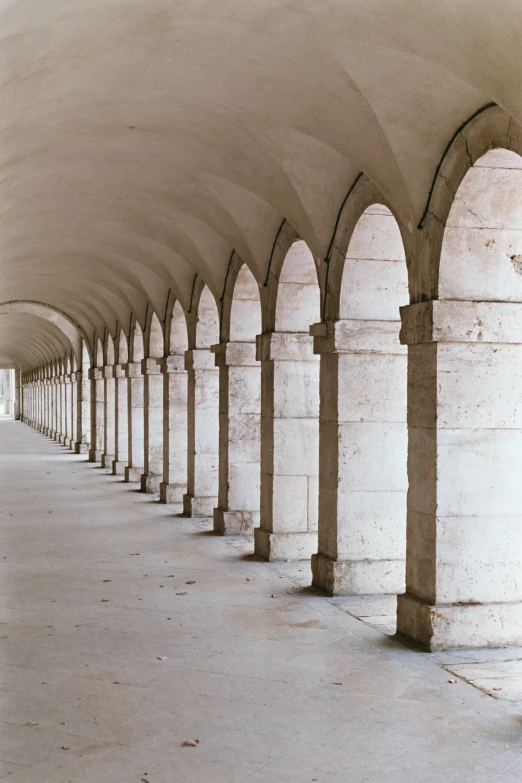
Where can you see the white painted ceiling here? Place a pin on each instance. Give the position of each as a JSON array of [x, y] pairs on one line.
[[141, 141]]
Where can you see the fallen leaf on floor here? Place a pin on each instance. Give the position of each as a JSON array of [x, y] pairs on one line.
[[496, 689], [144, 780], [31, 723], [336, 683], [191, 582], [162, 658], [49, 512], [191, 743], [272, 596], [4, 637], [107, 580], [181, 593], [104, 600], [453, 681], [66, 747], [116, 682], [248, 579]]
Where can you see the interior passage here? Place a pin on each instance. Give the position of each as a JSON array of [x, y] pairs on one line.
[[127, 631]]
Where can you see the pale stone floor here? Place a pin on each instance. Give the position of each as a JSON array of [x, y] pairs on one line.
[[277, 683]]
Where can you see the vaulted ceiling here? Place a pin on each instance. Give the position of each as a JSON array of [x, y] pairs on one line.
[[141, 142]]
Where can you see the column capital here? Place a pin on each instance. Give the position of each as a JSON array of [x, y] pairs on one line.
[[455, 321], [150, 367], [95, 374], [285, 347], [235, 354], [118, 371], [172, 364], [357, 336], [108, 371], [199, 359], [132, 369]]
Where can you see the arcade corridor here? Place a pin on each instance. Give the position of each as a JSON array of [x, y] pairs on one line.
[[99, 583]]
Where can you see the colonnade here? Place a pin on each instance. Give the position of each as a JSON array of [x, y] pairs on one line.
[[362, 411]]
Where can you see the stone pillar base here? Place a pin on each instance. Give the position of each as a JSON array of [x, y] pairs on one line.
[[52, 434], [234, 523], [358, 577], [95, 455], [118, 468], [107, 460], [284, 546], [459, 625], [198, 506], [61, 440], [150, 483], [69, 443], [81, 448], [132, 474], [173, 495]]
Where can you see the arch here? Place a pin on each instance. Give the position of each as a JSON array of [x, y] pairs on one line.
[[481, 254], [178, 335], [207, 326], [375, 280], [298, 302], [99, 353], [245, 307], [155, 338], [492, 129], [86, 356], [123, 348], [109, 350], [138, 352]]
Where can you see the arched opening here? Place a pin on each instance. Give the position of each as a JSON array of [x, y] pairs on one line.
[[138, 352], [109, 449], [203, 413], [153, 409], [135, 395], [97, 448], [290, 413], [84, 438], [121, 412], [363, 484], [155, 338], [465, 433], [175, 422], [240, 413]]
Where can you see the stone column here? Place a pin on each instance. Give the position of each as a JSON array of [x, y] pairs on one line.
[[289, 446], [203, 433], [153, 429], [45, 405], [7, 392], [109, 410], [54, 408], [239, 438], [175, 426], [67, 410], [121, 452], [83, 386], [464, 525], [62, 422], [73, 421], [97, 439], [134, 469], [362, 458], [16, 407]]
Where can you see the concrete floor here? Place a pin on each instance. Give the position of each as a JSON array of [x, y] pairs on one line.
[[98, 583]]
